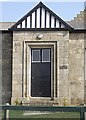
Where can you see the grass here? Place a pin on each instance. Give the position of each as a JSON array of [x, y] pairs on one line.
[[19, 114]]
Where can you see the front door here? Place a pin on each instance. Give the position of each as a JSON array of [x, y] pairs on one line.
[[41, 72]]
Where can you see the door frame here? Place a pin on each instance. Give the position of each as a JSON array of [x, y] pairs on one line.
[[27, 67]]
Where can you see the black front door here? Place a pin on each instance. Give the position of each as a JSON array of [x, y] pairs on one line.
[[41, 72]]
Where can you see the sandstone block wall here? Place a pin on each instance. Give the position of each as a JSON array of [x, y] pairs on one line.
[[77, 67], [69, 82]]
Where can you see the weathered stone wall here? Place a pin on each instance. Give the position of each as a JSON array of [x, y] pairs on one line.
[[6, 66], [76, 67], [70, 53]]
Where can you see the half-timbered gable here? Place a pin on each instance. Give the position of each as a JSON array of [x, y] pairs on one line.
[[40, 17]]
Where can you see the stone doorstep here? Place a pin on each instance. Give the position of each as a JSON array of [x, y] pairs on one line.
[[39, 102]]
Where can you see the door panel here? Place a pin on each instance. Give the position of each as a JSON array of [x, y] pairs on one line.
[[36, 70], [41, 74], [35, 81]]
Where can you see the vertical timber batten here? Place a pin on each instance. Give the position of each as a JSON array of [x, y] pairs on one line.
[[40, 17]]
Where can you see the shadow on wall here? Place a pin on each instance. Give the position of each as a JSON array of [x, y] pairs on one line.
[[6, 67], [85, 92]]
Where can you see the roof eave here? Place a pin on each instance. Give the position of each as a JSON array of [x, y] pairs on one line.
[[40, 29]]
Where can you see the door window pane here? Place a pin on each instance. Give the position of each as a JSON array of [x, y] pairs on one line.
[[45, 55], [35, 55]]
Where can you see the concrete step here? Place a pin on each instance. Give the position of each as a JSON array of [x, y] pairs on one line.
[[40, 102]]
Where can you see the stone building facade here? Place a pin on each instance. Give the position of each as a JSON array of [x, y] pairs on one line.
[[43, 58]]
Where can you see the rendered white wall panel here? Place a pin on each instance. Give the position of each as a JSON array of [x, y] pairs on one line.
[[23, 24], [18, 26], [28, 22], [52, 22], [47, 20], [38, 18], [62, 26], [43, 18], [57, 24]]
